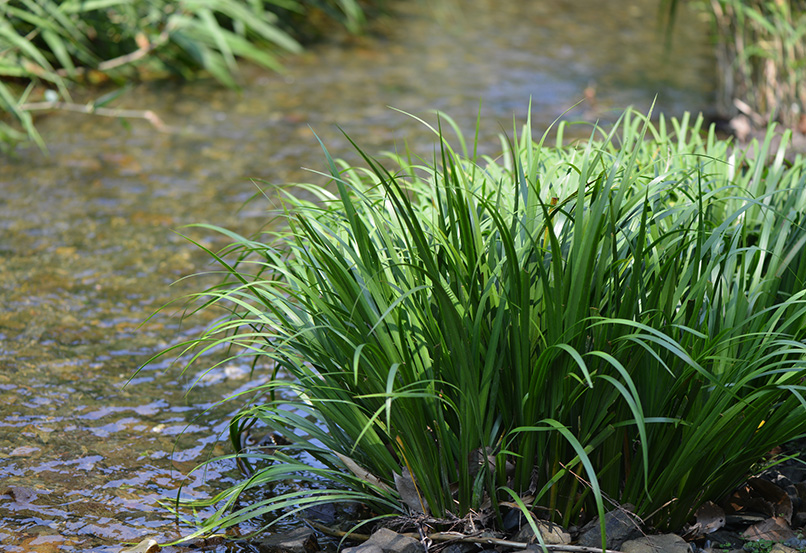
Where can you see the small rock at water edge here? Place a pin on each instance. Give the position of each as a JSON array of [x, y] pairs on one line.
[[552, 534], [664, 543]]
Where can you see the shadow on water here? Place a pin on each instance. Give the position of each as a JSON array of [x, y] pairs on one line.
[[87, 251]]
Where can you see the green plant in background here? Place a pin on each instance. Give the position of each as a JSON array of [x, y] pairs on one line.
[[620, 320], [48, 46], [761, 54], [761, 58]]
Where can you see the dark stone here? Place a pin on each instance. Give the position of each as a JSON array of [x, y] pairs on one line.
[[299, 540], [620, 526]]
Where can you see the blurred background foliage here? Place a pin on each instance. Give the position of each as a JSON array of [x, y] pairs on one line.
[[761, 59], [761, 66], [47, 47]]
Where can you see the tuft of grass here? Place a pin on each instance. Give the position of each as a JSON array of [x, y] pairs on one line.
[[559, 329]]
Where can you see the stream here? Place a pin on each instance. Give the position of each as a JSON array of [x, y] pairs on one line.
[[91, 238]]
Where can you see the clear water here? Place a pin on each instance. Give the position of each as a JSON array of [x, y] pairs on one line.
[[89, 246]]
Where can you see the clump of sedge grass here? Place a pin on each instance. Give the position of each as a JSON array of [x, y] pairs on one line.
[[620, 320]]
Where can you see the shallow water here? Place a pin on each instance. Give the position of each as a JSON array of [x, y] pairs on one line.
[[88, 249]]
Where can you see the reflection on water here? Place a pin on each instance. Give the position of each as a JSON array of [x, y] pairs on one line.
[[88, 252]]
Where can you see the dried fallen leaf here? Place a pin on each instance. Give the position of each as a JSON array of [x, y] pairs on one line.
[[761, 496], [773, 529], [408, 492], [778, 502]]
